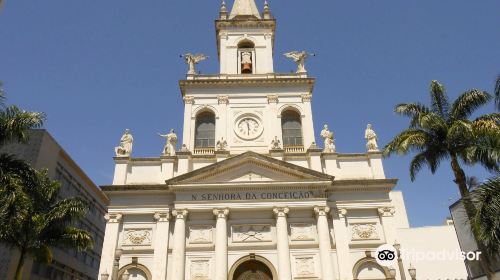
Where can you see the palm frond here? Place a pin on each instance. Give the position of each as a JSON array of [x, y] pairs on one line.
[[2, 95], [486, 221], [411, 110], [468, 102], [42, 254], [460, 134], [66, 210], [408, 140], [16, 123], [494, 117], [77, 238], [439, 99], [497, 92]]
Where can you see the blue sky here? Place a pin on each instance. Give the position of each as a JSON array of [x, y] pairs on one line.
[[98, 67]]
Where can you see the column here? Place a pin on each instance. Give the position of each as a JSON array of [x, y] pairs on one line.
[[221, 244], [161, 245], [110, 242], [284, 267], [325, 245], [387, 220], [342, 240], [179, 250]]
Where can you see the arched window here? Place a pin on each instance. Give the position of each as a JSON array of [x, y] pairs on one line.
[[246, 57], [291, 127], [205, 130]]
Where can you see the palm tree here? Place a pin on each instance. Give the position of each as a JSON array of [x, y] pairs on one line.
[[32, 217], [444, 131], [486, 221], [15, 123]]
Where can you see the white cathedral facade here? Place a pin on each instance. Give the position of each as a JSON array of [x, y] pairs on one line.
[[248, 194]]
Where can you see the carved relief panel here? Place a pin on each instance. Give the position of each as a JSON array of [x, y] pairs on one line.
[[302, 232], [251, 233], [199, 269], [137, 237], [305, 267], [364, 231], [200, 234]]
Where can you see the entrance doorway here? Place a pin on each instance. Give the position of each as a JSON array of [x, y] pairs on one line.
[[252, 270]]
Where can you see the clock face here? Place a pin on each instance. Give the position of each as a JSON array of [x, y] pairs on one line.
[[248, 128]]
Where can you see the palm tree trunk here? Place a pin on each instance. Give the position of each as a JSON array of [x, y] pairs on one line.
[[20, 264], [461, 181]]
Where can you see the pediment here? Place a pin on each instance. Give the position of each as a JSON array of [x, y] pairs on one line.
[[249, 167]]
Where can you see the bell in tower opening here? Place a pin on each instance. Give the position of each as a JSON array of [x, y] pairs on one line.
[[246, 51], [246, 63]]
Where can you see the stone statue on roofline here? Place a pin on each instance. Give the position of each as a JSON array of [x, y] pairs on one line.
[[371, 139], [329, 143], [192, 60], [300, 59], [126, 143], [171, 143]]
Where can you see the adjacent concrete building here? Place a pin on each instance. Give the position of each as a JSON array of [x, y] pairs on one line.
[[43, 152]]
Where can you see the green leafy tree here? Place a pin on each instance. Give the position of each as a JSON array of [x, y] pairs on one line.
[[33, 218], [486, 221], [445, 131]]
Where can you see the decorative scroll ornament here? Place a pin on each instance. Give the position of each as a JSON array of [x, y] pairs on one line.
[[200, 234], [364, 231], [223, 99], [137, 237], [276, 144]]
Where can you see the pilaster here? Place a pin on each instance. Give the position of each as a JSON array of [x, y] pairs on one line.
[[342, 243], [183, 162], [387, 220], [187, 137], [113, 223]]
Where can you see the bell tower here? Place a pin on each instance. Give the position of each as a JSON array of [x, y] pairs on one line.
[[245, 39]]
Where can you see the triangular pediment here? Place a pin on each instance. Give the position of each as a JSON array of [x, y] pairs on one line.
[[247, 168]]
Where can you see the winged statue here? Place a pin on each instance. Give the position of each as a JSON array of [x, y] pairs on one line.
[[192, 60]]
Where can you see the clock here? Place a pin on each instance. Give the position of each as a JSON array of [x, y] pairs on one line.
[[248, 127]]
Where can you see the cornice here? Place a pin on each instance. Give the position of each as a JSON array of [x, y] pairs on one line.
[[363, 185], [183, 84]]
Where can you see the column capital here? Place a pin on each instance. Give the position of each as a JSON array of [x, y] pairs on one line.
[[306, 97], [188, 99], [321, 210], [113, 217], [162, 216], [221, 213], [386, 211], [223, 99], [281, 211], [273, 98], [180, 213], [342, 212]]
